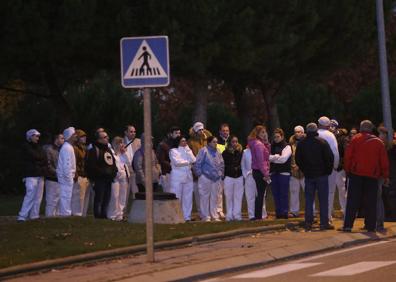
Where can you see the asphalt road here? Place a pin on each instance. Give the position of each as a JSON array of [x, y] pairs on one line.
[[375, 262]]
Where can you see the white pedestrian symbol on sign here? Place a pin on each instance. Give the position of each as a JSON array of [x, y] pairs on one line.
[[145, 64]]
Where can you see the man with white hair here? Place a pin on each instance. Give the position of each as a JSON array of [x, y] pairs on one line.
[[297, 177], [35, 168], [325, 133], [66, 171]]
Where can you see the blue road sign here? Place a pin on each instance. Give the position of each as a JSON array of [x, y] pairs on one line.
[[144, 62]]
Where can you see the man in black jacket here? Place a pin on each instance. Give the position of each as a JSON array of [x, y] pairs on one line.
[[315, 159], [35, 168], [101, 169], [163, 157]]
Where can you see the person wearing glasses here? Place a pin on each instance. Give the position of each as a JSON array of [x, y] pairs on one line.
[[209, 167], [35, 168], [101, 170]]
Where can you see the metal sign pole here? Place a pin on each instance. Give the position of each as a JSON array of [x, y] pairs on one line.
[[386, 104], [148, 147]]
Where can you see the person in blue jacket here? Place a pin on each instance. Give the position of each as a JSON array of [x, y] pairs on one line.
[[209, 167]]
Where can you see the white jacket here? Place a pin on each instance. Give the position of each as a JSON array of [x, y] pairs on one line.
[[330, 138], [181, 159], [246, 163], [122, 167], [66, 169]]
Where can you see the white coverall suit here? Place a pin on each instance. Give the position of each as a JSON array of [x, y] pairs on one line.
[[66, 171], [181, 179]]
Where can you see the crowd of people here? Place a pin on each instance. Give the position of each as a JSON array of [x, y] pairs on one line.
[[321, 157]]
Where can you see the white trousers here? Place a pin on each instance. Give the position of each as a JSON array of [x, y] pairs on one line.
[[66, 191], [183, 188], [132, 185], [80, 197], [341, 187], [337, 180], [233, 192], [208, 194], [117, 204], [32, 200], [196, 198], [250, 194], [295, 185], [220, 198], [165, 182], [52, 194]]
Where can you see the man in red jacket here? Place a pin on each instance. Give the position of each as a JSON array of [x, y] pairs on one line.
[[365, 161]]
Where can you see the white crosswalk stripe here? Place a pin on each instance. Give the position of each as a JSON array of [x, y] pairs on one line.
[[354, 269], [276, 270]]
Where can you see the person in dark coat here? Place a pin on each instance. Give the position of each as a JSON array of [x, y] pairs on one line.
[[35, 169], [101, 169], [163, 156], [315, 159], [233, 182]]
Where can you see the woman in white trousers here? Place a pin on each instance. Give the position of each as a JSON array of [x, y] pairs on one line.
[[181, 179], [120, 185], [233, 181]]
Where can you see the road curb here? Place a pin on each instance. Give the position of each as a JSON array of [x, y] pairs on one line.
[[111, 254], [235, 269]]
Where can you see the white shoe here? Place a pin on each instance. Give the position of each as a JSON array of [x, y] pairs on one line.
[[206, 220], [217, 219]]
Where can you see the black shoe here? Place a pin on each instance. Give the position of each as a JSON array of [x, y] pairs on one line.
[[326, 227], [308, 228], [345, 229], [371, 230]]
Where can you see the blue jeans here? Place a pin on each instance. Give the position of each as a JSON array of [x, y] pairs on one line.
[[320, 184], [280, 191]]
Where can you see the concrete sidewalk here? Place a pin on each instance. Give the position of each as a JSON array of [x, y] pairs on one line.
[[200, 261]]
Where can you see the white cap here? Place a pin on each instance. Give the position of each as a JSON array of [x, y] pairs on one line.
[[30, 133], [299, 128], [197, 126], [68, 132], [324, 121], [334, 123]]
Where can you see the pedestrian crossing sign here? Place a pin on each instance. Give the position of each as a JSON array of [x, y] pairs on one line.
[[144, 62]]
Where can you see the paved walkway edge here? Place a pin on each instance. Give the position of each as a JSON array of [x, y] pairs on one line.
[[110, 254], [212, 274]]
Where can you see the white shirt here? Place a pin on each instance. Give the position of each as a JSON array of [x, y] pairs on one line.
[[246, 163], [121, 163], [332, 141], [281, 159], [66, 169], [181, 158]]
